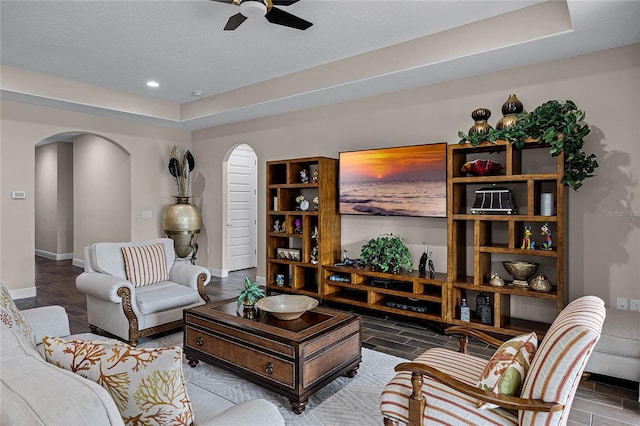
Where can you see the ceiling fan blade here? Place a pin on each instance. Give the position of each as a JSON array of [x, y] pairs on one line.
[[282, 2], [234, 22], [224, 1], [280, 17]]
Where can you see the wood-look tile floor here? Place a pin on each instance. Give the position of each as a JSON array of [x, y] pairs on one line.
[[599, 400]]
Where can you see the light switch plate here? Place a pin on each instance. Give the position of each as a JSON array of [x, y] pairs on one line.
[[18, 195], [147, 214]]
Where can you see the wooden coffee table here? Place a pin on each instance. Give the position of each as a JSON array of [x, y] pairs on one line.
[[293, 358]]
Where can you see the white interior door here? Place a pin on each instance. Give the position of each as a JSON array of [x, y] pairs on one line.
[[242, 213]]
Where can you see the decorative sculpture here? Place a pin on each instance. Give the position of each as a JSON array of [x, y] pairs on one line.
[[432, 268], [426, 259], [314, 250], [422, 266]]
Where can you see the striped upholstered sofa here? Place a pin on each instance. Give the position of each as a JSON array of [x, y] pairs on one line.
[[440, 386]]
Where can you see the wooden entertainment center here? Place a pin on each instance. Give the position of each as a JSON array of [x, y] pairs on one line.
[[476, 242]]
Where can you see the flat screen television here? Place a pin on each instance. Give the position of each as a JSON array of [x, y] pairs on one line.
[[398, 181]]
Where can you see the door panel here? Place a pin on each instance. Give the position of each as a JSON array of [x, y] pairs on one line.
[[241, 209]]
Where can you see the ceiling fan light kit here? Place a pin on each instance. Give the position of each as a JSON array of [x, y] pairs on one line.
[[253, 8], [267, 9]]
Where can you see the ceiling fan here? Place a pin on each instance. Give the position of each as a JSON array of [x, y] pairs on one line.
[[259, 8]]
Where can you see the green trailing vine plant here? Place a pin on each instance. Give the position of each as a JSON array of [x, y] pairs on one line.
[[386, 253], [556, 123]]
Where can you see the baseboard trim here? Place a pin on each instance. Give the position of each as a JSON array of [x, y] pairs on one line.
[[220, 273], [54, 256], [78, 262], [23, 293]]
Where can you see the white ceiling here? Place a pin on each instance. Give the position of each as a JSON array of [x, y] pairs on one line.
[[262, 69]]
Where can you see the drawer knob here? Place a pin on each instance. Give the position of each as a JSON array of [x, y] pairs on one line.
[[200, 341], [269, 369]]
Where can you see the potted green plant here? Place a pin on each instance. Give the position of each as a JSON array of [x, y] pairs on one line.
[[556, 123], [250, 294], [386, 253]]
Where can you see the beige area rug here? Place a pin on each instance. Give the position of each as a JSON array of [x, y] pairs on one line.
[[342, 402]]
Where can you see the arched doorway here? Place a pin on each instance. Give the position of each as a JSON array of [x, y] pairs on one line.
[[82, 195], [241, 208]]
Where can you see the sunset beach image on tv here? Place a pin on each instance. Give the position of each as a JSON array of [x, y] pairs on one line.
[[399, 181]]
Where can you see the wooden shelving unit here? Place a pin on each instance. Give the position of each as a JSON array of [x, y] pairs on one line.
[[406, 294], [477, 243], [284, 185]]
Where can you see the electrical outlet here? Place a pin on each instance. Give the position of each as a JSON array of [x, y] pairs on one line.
[[622, 303], [634, 305], [147, 214]]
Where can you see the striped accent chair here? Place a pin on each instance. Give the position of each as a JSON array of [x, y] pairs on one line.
[[440, 386]]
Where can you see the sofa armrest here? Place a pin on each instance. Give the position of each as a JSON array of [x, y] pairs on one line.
[[187, 274], [102, 286], [47, 321], [258, 412]]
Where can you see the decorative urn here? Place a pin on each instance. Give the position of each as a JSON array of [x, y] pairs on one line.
[[182, 223], [182, 220]]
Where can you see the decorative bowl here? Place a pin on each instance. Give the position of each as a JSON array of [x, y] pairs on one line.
[[286, 307], [519, 270]]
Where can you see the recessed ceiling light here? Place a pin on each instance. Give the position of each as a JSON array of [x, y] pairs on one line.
[[153, 83], [197, 93]]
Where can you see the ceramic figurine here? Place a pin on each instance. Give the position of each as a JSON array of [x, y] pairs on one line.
[[546, 232], [314, 179], [527, 242], [315, 203], [298, 226], [304, 176], [276, 226]]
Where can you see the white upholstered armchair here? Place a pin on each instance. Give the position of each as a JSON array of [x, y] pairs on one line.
[[138, 289]]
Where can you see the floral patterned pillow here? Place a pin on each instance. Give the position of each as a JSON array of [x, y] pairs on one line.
[[507, 368], [10, 315], [147, 384]]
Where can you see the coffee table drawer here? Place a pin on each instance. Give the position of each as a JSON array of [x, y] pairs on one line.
[[243, 357], [250, 338]]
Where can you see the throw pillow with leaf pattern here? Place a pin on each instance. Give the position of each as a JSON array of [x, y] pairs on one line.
[[505, 372], [11, 317], [147, 384]]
